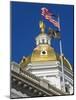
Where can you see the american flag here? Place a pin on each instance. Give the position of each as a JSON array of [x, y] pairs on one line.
[[50, 17]]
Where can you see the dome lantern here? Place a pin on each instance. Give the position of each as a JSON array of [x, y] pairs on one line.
[[42, 38]]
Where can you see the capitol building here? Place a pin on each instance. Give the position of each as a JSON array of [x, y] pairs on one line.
[[43, 64]]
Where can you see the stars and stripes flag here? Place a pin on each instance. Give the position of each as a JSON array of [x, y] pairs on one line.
[[50, 17]]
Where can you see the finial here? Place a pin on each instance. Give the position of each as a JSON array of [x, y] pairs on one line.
[[42, 26]]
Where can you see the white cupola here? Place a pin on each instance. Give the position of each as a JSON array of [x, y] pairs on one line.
[[42, 38]]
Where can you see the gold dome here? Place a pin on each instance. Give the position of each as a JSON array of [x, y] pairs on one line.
[[49, 56], [43, 52], [66, 63]]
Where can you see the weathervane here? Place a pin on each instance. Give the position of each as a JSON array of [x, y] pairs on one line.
[[42, 26]]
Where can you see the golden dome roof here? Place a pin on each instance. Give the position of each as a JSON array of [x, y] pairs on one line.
[[65, 62], [49, 56], [43, 52]]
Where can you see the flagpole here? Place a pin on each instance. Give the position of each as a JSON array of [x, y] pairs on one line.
[[49, 17], [61, 56]]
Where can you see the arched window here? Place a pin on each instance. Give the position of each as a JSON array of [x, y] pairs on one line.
[[67, 87], [43, 41]]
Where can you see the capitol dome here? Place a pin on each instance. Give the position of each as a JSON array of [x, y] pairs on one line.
[[44, 51]]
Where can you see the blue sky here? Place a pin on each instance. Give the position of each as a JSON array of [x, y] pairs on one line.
[[25, 19]]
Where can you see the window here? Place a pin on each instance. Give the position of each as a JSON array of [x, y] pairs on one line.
[[67, 87], [61, 79], [43, 41], [43, 52]]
